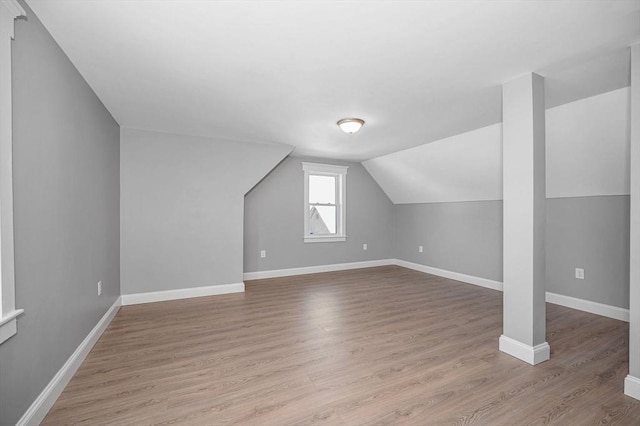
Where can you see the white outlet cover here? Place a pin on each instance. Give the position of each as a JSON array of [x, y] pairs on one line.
[[263, 253], [580, 273], [420, 249], [364, 246], [99, 288]]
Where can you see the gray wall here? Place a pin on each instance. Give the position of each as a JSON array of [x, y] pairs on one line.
[[582, 232], [274, 221], [66, 173], [182, 202], [590, 233], [463, 237]]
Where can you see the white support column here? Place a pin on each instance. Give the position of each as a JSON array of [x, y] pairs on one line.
[[524, 211], [632, 382]]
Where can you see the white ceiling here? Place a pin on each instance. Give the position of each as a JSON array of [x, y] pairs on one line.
[[286, 71], [465, 167], [587, 154]]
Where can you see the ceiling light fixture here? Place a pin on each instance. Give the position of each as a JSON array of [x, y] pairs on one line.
[[350, 125]]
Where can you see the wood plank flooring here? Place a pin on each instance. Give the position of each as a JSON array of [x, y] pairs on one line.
[[372, 346]]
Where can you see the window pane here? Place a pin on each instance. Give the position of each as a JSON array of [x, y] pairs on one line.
[[322, 189], [322, 220]]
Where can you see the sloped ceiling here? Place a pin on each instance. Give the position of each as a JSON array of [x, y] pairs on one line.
[[466, 167], [587, 154], [286, 71]]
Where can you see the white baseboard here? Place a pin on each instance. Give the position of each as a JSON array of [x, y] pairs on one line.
[[316, 269], [589, 306], [470, 279], [609, 311], [183, 293], [531, 354], [632, 387], [43, 403]]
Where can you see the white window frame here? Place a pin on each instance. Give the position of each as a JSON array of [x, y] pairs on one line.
[[9, 11], [340, 173]]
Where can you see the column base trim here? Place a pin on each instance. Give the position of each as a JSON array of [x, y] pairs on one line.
[[530, 354], [632, 386]]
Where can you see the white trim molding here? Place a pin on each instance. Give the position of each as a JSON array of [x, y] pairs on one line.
[[14, 9], [325, 239], [632, 383], [632, 387], [328, 169], [339, 173], [469, 279], [183, 293], [530, 354], [9, 324], [609, 311], [275, 273], [9, 11], [43, 403]]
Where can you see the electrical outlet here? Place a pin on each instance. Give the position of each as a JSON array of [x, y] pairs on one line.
[[263, 253], [99, 288], [580, 273], [364, 246], [420, 249]]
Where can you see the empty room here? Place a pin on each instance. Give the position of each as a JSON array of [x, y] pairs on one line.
[[319, 212]]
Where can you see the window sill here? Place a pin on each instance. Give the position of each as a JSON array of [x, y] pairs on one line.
[[325, 239], [8, 325]]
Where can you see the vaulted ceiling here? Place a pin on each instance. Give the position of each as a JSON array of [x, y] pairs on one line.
[[285, 71]]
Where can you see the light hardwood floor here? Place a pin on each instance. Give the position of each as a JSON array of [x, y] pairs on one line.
[[372, 346]]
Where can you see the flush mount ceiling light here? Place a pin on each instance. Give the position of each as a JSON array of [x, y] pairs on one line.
[[350, 125]]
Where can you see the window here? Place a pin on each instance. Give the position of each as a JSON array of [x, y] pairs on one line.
[[324, 202], [9, 10]]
